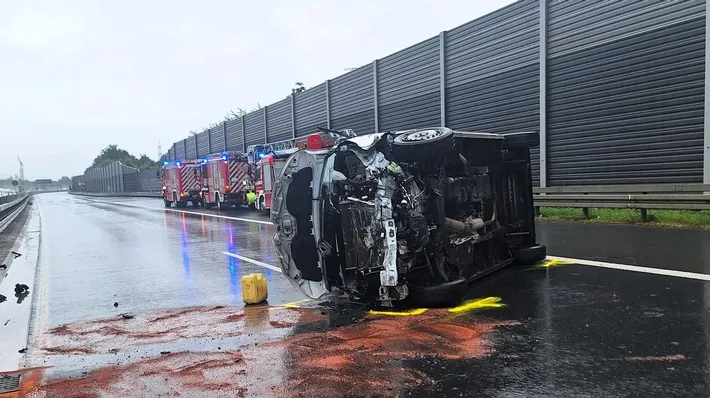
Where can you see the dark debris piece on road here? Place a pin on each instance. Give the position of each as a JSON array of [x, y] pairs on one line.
[[2, 298], [3, 266], [22, 351], [115, 304], [21, 288], [16, 254], [127, 316]]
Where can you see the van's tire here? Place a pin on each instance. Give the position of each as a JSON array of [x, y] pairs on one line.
[[528, 139], [423, 144], [441, 295], [530, 255]]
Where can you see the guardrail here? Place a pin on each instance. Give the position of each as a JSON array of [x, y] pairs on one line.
[[152, 194], [641, 197], [9, 211]]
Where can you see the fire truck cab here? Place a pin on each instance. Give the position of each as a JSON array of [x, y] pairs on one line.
[[229, 178], [270, 160], [182, 183]]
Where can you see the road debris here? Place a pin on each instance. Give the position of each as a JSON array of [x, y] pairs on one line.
[[16, 254], [127, 315], [21, 288]]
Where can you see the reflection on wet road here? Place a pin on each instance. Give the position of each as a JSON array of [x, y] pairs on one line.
[[562, 330]]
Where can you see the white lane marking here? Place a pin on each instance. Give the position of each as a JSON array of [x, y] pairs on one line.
[[635, 268], [143, 225], [187, 212], [255, 262]]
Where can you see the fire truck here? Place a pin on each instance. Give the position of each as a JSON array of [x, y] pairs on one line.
[[270, 160], [229, 177], [182, 183]]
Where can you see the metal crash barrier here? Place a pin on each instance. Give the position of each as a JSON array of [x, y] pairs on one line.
[[10, 209], [641, 197]]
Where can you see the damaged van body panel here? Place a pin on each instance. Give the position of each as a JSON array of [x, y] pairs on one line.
[[295, 198], [415, 214]]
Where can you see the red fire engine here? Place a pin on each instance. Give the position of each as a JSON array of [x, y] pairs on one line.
[[270, 159], [182, 183], [228, 178]]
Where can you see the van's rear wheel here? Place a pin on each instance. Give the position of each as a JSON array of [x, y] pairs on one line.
[[530, 255], [440, 295]]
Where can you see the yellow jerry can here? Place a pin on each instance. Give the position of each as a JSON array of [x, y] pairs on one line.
[[254, 288]]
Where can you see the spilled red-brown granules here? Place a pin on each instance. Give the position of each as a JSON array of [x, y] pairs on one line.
[[190, 323], [31, 379], [180, 374], [368, 358], [364, 359]]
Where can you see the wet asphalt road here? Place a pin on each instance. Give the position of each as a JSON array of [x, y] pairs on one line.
[[557, 330]]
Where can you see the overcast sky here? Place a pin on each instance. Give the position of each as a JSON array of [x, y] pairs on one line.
[[76, 76]]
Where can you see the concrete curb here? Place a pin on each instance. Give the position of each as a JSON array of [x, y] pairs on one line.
[[15, 312], [120, 194]]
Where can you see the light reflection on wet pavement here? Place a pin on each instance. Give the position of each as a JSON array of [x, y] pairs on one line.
[[567, 330]]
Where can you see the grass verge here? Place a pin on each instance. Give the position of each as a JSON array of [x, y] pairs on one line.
[[664, 218]]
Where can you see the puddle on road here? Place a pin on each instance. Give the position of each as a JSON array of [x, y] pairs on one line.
[[369, 356]]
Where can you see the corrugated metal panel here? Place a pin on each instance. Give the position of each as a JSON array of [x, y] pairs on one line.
[[202, 144], [506, 102], [630, 110], [310, 110], [279, 120], [492, 71], [352, 101], [191, 150], [171, 153], [408, 87], [179, 150], [254, 125], [129, 179], [217, 137], [576, 25], [234, 135]]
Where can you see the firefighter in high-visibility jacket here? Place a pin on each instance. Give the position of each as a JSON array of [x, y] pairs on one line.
[[251, 198]]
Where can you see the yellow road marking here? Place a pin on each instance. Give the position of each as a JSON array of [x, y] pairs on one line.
[[488, 302], [417, 311], [553, 263], [296, 304]]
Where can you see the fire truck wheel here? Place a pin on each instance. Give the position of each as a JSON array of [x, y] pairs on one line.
[[219, 204], [167, 202], [209, 205]]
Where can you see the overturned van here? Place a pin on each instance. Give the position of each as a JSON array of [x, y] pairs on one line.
[[406, 216]]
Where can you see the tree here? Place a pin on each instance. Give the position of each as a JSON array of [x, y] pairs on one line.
[[298, 88], [113, 153]]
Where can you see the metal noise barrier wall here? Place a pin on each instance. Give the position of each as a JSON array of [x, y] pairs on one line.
[[149, 180], [616, 88], [112, 178]]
